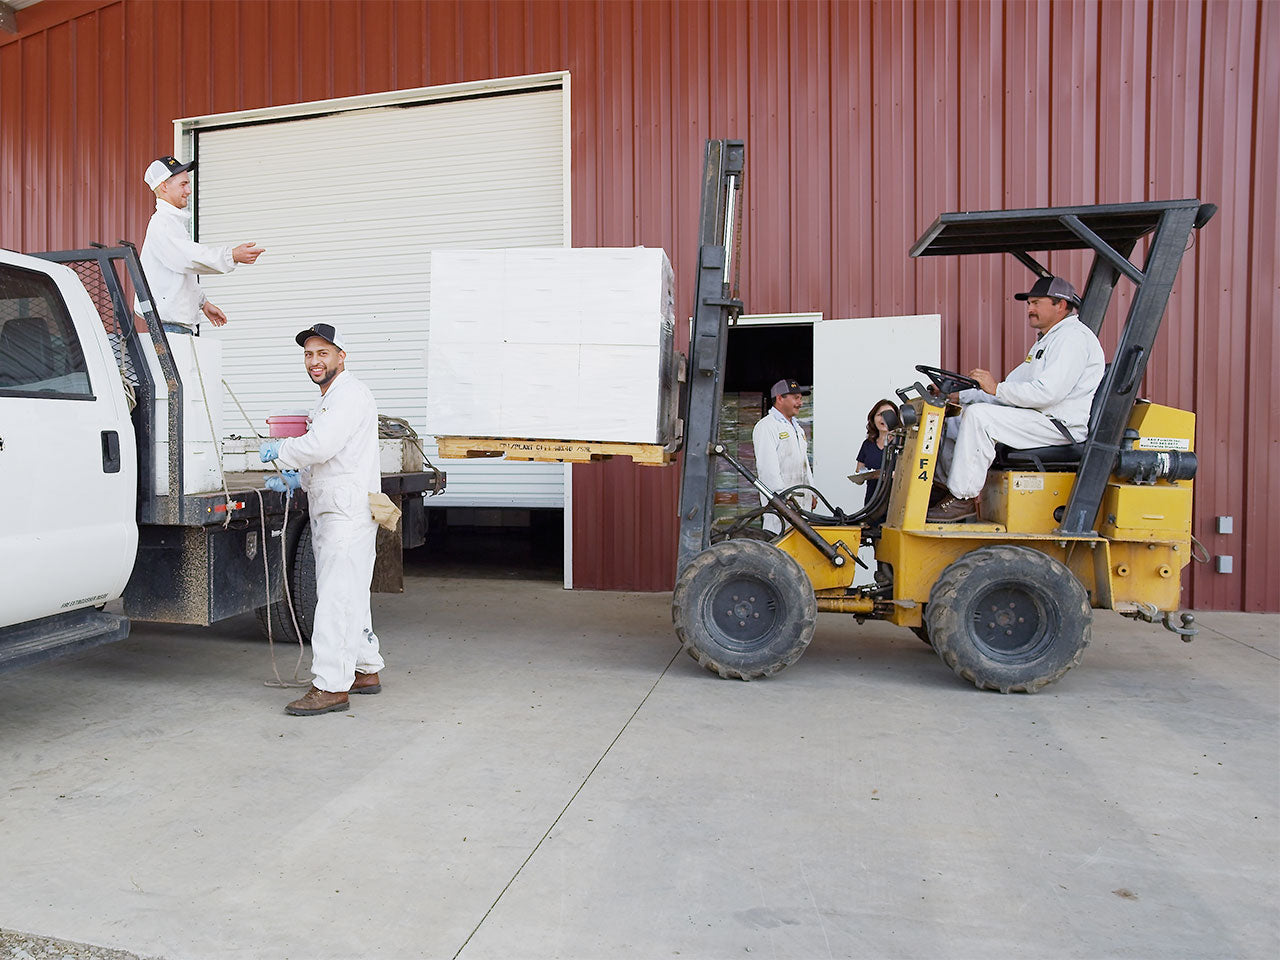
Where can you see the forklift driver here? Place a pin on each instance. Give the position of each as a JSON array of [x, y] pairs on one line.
[[172, 260], [1044, 401], [338, 460], [782, 451]]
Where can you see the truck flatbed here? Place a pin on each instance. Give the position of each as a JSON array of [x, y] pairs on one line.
[[210, 509]]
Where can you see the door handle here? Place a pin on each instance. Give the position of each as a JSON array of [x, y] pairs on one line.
[[110, 451]]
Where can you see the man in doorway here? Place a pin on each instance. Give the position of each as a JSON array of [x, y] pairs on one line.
[[782, 450], [336, 462], [172, 261], [1045, 400]]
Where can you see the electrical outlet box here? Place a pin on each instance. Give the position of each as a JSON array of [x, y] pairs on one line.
[[1224, 564], [1226, 524]]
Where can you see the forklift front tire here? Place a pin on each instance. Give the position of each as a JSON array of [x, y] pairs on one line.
[[1009, 618], [744, 609]]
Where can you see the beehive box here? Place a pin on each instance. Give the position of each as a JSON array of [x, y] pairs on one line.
[[552, 343]]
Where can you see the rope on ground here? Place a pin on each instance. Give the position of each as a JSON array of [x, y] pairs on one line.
[[266, 572], [284, 577]]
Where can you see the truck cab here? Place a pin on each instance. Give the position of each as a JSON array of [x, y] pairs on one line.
[[68, 460]]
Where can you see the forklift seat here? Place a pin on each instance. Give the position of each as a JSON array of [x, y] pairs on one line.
[[1058, 458]]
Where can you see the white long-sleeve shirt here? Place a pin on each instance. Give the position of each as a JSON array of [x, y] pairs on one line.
[[172, 262], [1058, 378], [341, 445], [782, 452]]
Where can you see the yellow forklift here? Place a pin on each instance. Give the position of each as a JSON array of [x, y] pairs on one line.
[[1006, 601]]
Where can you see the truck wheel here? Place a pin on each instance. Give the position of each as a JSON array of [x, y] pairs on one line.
[[744, 609], [302, 587], [1009, 618]]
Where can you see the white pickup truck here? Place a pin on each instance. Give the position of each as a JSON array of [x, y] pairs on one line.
[[92, 502]]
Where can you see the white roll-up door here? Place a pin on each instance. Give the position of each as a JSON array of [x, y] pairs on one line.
[[349, 205]]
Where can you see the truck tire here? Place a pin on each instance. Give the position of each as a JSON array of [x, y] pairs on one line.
[[302, 589], [744, 609], [1009, 618]]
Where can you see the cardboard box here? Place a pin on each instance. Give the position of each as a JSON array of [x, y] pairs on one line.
[[552, 343]]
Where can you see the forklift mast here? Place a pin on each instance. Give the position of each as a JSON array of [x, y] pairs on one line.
[[714, 308], [1111, 231]]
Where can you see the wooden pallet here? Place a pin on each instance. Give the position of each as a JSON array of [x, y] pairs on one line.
[[552, 451]]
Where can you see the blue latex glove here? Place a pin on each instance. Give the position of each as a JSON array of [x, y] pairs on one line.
[[269, 450], [288, 480]]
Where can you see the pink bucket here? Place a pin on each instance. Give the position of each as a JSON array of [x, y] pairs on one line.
[[287, 425]]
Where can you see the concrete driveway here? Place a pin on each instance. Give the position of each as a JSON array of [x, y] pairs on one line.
[[545, 775]]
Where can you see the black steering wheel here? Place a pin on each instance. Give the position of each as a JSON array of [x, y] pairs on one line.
[[948, 381]]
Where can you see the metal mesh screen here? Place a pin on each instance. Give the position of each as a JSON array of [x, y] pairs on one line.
[[90, 274]]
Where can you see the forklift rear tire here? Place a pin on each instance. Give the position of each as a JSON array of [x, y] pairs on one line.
[[744, 609], [302, 589], [1009, 618]]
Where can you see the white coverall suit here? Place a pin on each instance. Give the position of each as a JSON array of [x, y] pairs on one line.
[[338, 460], [1058, 379], [782, 458], [172, 260]]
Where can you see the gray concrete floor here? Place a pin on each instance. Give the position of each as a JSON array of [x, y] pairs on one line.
[[544, 776]]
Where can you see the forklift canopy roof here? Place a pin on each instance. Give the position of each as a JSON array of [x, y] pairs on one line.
[[1120, 225]]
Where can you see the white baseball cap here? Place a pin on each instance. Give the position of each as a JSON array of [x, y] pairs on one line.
[[161, 170]]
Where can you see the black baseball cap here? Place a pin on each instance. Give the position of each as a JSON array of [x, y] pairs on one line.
[[1051, 287], [158, 171], [325, 331], [786, 386]]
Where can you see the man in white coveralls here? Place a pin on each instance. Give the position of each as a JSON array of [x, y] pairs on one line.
[[782, 450], [336, 462], [1045, 401], [173, 261]]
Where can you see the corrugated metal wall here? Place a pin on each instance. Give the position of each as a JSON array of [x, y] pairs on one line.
[[863, 121]]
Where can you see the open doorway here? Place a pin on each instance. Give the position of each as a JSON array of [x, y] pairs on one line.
[[491, 543]]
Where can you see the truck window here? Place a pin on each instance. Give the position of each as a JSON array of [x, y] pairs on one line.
[[40, 353]]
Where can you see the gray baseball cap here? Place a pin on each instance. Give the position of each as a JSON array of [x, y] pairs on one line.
[[1051, 287], [786, 386]]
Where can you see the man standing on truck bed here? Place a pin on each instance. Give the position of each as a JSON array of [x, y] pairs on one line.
[[338, 460], [1043, 402], [172, 260]]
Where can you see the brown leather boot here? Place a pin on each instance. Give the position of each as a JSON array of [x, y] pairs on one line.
[[317, 701], [953, 510], [366, 683]]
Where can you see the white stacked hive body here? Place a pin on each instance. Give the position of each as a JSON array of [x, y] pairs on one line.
[[552, 343], [195, 358]]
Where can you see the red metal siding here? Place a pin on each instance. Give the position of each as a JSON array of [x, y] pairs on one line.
[[863, 121]]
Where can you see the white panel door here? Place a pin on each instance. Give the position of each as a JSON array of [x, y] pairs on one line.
[[855, 364], [349, 206]]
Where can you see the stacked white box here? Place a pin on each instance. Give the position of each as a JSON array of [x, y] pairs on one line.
[[195, 358], [552, 343]]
